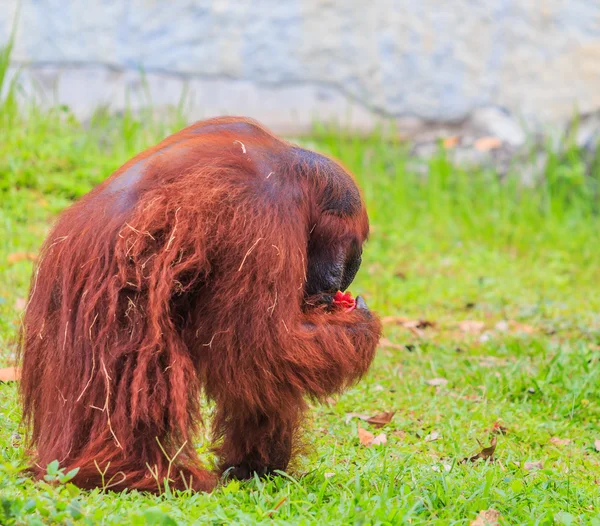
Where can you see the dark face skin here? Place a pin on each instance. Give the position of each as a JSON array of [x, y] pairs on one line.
[[332, 263], [332, 268]]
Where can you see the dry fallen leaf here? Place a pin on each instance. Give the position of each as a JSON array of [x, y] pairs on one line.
[[378, 420], [560, 441], [487, 143], [20, 303], [379, 440], [361, 416], [436, 382], [597, 445], [381, 419], [10, 374], [487, 453], [417, 324], [489, 517], [532, 466], [499, 429], [414, 326], [433, 436], [368, 439], [365, 437], [407, 323], [15, 257], [471, 326], [277, 506]]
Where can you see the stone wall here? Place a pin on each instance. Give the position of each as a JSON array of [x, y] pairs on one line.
[[288, 62]]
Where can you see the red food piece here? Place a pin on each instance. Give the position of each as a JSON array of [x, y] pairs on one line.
[[344, 301]]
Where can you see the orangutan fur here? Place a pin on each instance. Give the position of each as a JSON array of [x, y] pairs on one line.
[[199, 267]]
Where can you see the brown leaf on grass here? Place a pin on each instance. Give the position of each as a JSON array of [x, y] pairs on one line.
[[471, 326], [489, 517], [10, 374], [20, 303], [369, 439], [485, 144], [15, 257], [277, 506], [560, 441], [361, 416], [498, 429], [417, 324], [533, 466], [381, 419], [433, 436], [378, 420], [436, 382], [407, 323], [486, 453], [414, 326], [379, 440], [365, 437], [597, 445]]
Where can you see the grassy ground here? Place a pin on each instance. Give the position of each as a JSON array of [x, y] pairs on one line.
[[507, 278]]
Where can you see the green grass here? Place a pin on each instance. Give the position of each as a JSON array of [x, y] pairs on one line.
[[447, 245]]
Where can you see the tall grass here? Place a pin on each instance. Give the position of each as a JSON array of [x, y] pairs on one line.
[[8, 88], [448, 242], [51, 151], [461, 204]]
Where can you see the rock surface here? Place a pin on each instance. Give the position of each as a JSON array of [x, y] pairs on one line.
[[290, 62]]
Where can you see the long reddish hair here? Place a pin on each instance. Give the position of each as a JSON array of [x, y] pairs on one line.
[[184, 273]]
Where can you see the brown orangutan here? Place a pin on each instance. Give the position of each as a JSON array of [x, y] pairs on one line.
[[206, 264]]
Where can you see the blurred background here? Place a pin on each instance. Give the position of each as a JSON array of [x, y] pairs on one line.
[[472, 129], [472, 126], [509, 66]]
